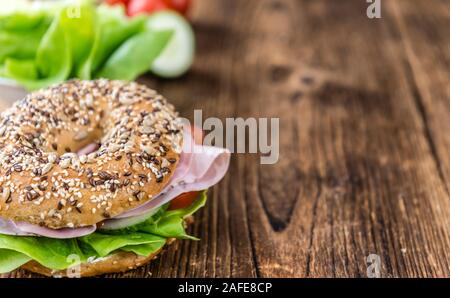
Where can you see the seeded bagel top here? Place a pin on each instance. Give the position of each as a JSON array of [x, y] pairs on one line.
[[43, 180]]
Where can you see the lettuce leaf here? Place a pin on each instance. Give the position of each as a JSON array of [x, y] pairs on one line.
[[21, 69], [53, 59], [80, 33], [171, 223], [104, 244], [112, 28], [58, 254], [52, 253], [144, 249], [22, 21], [134, 56], [10, 260], [96, 42], [21, 44]]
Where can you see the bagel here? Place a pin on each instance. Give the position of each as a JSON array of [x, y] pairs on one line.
[[115, 263], [44, 182], [99, 172]]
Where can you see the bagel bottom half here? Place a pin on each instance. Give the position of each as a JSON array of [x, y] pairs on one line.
[[116, 263]]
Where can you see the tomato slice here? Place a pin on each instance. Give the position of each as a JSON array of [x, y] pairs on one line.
[[136, 7], [184, 200], [114, 2]]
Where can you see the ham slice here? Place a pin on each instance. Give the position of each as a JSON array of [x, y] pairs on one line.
[[57, 234], [8, 227], [88, 149], [205, 169], [200, 167]]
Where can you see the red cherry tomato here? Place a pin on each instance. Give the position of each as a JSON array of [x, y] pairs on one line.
[[184, 200], [114, 2], [136, 7], [182, 6]]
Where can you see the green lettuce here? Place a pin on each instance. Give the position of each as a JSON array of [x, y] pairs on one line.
[[23, 69], [172, 222], [112, 28], [144, 249], [52, 253], [79, 33], [22, 21], [49, 46], [10, 260], [104, 244], [52, 62], [135, 55], [21, 42], [58, 254]]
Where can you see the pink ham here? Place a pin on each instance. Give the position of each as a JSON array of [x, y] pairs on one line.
[[88, 149], [205, 170], [200, 167], [57, 234], [8, 227]]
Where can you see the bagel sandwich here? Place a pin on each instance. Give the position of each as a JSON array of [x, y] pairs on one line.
[[97, 177]]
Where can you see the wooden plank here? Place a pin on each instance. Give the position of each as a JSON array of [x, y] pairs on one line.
[[363, 167], [357, 171], [425, 34]]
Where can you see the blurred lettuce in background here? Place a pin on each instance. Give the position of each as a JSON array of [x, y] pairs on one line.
[[49, 43]]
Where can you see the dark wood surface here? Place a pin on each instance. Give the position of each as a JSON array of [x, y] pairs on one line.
[[364, 142]]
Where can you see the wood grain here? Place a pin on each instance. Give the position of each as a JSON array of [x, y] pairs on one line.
[[364, 165]]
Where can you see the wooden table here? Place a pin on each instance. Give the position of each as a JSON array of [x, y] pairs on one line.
[[364, 142]]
